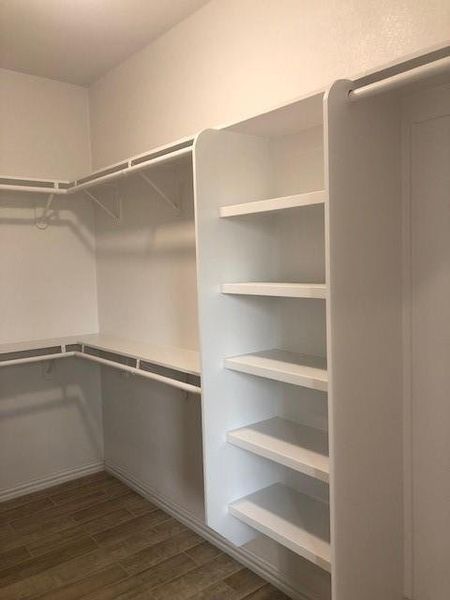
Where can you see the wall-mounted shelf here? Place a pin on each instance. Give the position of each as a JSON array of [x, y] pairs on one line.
[[281, 365], [280, 290], [273, 204], [295, 520], [36, 186], [174, 366], [298, 447], [130, 166]]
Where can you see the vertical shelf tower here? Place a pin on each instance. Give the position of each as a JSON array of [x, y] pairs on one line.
[[260, 201]]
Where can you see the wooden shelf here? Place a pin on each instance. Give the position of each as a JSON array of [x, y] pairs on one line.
[[280, 365], [180, 359], [295, 446], [295, 520], [280, 290], [274, 204]]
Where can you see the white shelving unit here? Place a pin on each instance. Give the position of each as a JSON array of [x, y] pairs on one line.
[[280, 290], [301, 448], [273, 204], [295, 520], [266, 403], [280, 365]]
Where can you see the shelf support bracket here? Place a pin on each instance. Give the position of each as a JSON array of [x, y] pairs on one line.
[[116, 216], [159, 191]]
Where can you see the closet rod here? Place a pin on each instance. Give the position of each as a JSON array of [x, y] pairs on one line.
[[38, 190], [134, 371], [438, 67], [38, 358], [187, 387]]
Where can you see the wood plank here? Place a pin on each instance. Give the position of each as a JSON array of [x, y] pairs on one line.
[[13, 557], [160, 551], [87, 585], [36, 565], [167, 570], [197, 580], [203, 553], [244, 582]]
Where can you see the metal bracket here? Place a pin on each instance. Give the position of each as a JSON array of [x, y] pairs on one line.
[[42, 221], [159, 191], [47, 370], [117, 217]]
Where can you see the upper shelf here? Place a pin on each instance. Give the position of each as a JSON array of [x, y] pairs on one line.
[[274, 204], [162, 155], [281, 365]]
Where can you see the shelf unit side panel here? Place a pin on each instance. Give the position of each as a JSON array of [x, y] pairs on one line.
[[365, 355], [230, 166]]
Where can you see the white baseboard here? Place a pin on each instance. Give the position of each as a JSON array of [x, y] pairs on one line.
[[46, 482], [244, 557]]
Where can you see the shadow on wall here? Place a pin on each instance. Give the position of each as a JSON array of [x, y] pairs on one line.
[[50, 421]]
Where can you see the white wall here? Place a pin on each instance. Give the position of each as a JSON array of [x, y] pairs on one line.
[[50, 424], [235, 58], [44, 127], [48, 427]]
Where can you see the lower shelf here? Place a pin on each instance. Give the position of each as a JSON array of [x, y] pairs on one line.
[[280, 365], [173, 366], [295, 520], [301, 448]]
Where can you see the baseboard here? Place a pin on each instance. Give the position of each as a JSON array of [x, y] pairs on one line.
[[244, 557], [46, 482]]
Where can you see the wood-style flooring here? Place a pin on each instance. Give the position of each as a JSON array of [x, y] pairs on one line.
[[94, 538]]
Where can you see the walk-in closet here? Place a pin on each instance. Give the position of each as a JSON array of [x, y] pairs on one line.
[[224, 358]]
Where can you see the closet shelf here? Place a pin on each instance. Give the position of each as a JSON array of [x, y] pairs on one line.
[[281, 290], [281, 365], [131, 165], [298, 447], [274, 204], [174, 366], [37, 186], [295, 520]]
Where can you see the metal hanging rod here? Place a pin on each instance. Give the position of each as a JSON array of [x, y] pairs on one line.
[[416, 74]]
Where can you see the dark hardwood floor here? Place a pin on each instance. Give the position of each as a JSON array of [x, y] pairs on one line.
[[96, 539]]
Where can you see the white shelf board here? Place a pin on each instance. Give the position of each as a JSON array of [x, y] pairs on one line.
[[274, 204], [281, 290], [281, 365], [298, 447], [181, 359], [295, 520]]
